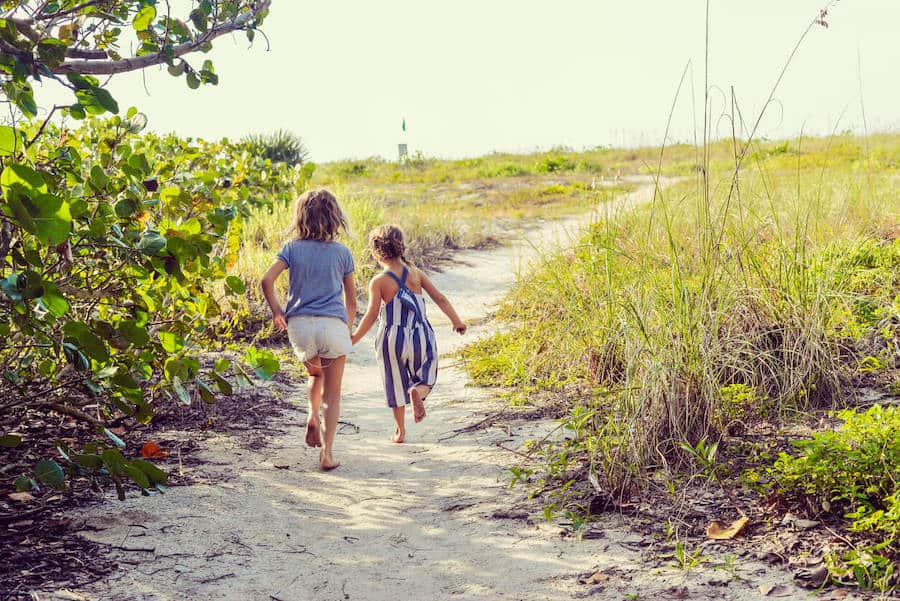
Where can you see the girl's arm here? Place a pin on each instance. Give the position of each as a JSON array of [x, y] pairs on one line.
[[443, 304], [350, 299], [371, 315], [267, 283]]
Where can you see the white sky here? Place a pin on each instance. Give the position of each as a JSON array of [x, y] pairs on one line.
[[474, 76]]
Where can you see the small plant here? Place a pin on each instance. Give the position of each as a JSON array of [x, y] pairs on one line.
[[738, 401], [853, 470], [687, 560], [520, 474], [729, 566], [867, 568], [705, 456]]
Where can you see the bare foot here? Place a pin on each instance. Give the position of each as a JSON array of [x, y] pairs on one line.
[[327, 462], [399, 436], [313, 438], [418, 398]]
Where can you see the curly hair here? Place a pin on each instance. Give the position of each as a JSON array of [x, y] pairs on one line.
[[386, 242], [318, 216]]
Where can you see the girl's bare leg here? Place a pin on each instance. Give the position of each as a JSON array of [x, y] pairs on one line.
[[400, 433], [315, 384], [331, 400], [417, 395]]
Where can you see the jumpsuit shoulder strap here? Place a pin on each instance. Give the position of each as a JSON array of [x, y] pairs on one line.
[[400, 282], [403, 277]]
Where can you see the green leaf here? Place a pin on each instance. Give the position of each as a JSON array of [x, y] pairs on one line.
[[139, 477], [30, 285], [236, 284], [99, 178], [126, 207], [25, 484], [82, 82], [96, 101], [171, 342], [151, 243], [180, 391], [10, 441], [11, 141], [206, 392], [88, 342], [49, 472], [52, 51], [113, 460], [156, 475], [28, 178], [264, 363], [88, 460], [133, 333], [193, 81], [224, 385], [198, 18], [144, 18], [77, 112], [46, 216], [53, 300]]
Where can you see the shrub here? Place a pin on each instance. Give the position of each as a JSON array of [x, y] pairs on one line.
[[279, 147], [854, 471]]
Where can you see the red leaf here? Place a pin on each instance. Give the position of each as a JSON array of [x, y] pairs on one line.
[[151, 450]]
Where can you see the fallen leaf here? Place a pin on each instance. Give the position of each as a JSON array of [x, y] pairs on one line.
[[118, 431], [22, 497], [717, 530], [811, 577], [595, 578], [774, 590], [805, 524], [152, 450]]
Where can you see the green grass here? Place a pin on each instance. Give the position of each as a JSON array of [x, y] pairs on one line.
[[782, 288]]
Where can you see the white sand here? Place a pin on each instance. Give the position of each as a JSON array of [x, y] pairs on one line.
[[394, 522]]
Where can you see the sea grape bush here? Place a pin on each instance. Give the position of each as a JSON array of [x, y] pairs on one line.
[[115, 255], [115, 246]]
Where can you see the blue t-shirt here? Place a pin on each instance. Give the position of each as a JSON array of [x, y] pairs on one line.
[[317, 270]]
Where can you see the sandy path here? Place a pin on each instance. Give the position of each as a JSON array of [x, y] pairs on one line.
[[395, 522]]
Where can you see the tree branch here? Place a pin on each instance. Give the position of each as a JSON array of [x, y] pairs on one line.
[[77, 414], [93, 67]]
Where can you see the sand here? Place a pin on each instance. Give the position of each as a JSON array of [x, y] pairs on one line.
[[394, 522]]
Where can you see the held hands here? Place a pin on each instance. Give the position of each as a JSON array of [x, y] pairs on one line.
[[279, 320]]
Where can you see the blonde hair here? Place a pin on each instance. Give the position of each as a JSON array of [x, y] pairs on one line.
[[386, 242], [318, 216]]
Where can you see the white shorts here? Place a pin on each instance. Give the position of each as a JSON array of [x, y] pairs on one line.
[[312, 336]]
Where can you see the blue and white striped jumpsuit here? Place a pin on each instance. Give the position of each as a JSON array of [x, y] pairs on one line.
[[406, 346]]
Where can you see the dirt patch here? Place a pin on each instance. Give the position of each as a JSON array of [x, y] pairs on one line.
[[40, 548]]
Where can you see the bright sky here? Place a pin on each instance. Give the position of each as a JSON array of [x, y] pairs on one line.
[[475, 76]]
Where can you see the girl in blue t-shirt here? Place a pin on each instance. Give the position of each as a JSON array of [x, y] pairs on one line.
[[321, 306]]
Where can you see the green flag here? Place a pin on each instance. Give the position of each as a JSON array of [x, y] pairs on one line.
[[403, 124]]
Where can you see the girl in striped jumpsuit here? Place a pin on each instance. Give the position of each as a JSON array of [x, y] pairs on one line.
[[406, 347]]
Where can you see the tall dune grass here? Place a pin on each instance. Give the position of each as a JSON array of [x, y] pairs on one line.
[[778, 286]]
